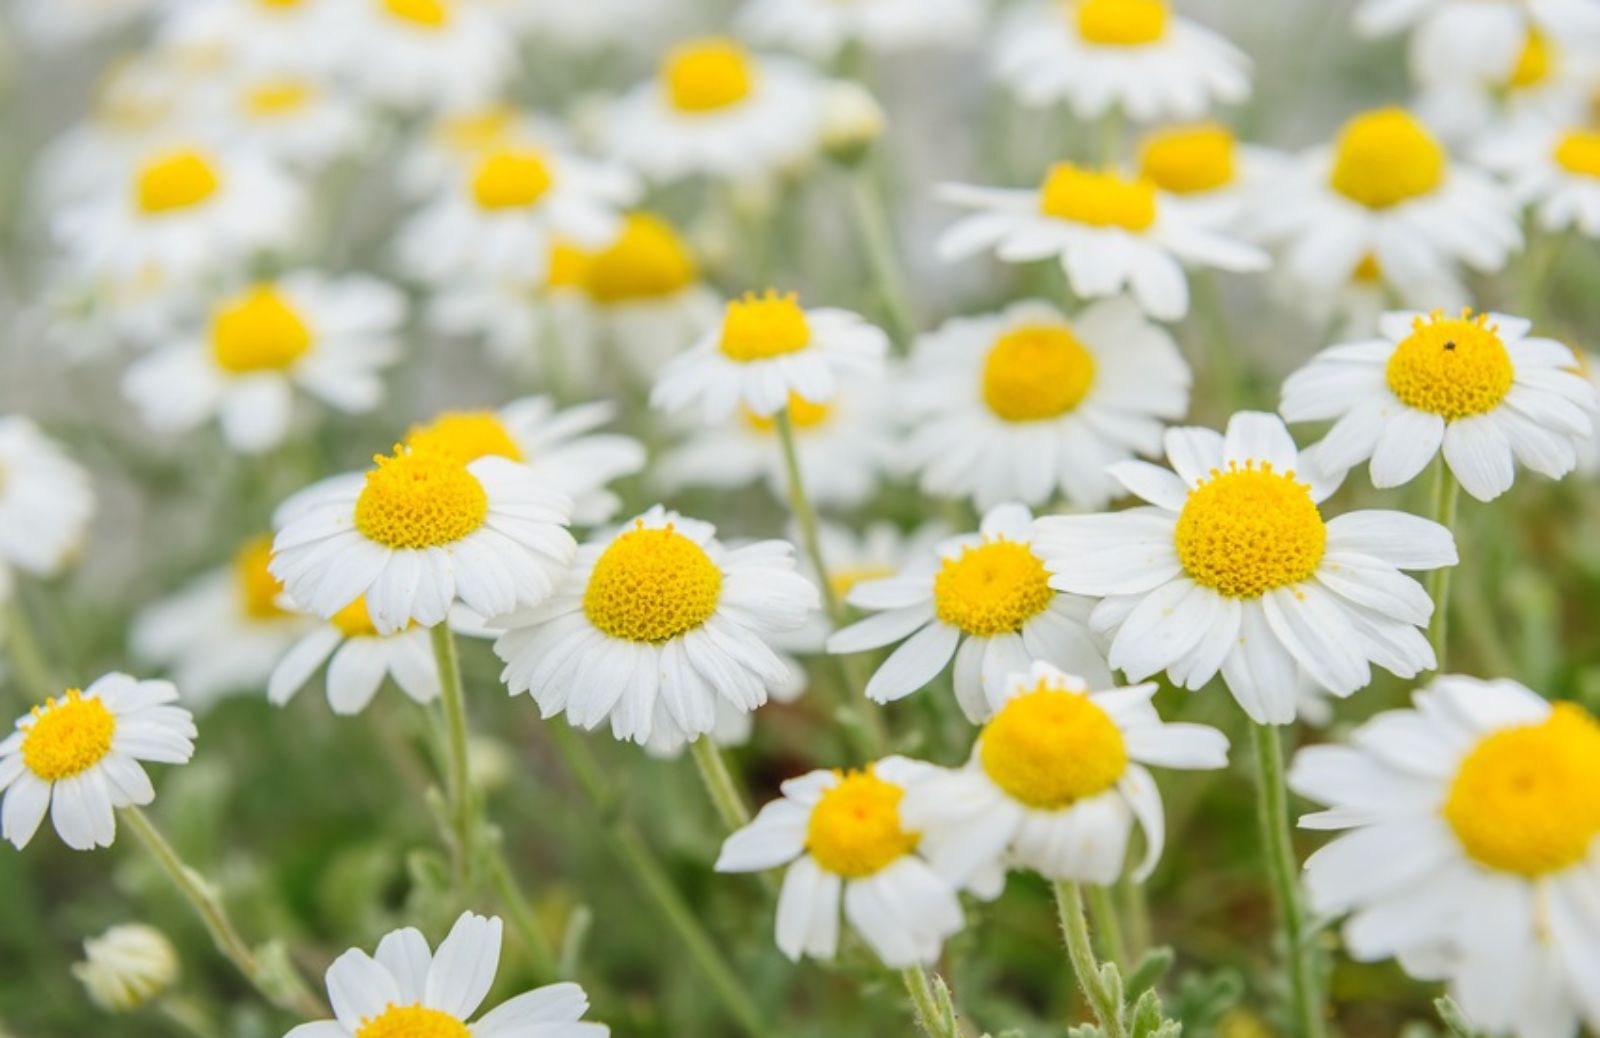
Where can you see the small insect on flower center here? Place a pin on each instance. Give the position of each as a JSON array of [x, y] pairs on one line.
[[649, 260], [420, 499], [1527, 800], [991, 588], [278, 98], [353, 621], [258, 589], [1533, 62], [425, 14], [412, 1022], [1453, 367], [1037, 372], [707, 75], [1099, 199], [1122, 23], [175, 181], [855, 828], [511, 178], [651, 585], [803, 414], [68, 736], [258, 330], [1189, 160], [465, 436], [1386, 157], [1578, 151], [1051, 747], [765, 326], [1246, 531]]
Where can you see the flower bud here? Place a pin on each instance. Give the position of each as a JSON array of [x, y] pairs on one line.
[[127, 966], [852, 120]]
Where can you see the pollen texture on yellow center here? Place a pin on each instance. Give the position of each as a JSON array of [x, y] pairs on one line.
[[1122, 23], [175, 181], [991, 589], [652, 585], [855, 828], [465, 436], [1527, 800], [412, 1022], [258, 589], [426, 14], [1099, 199], [1533, 62], [1578, 151], [707, 75], [649, 260], [511, 178], [1249, 530], [1189, 160], [259, 330], [803, 414], [765, 326], [1454, 367], [420, 499], [1050, 748], [1386, 157], [353, 621], [68, 736], [278, 98], [1037, 372]]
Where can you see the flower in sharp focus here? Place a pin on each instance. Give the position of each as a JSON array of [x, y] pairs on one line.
[[358, 660], [1231, 567], [126, 967], [1554, 169], [822, 28], [46, 503], [421, 54]]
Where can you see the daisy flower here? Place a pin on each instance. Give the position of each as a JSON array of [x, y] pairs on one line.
[[982, 599], [296, 119], [1477, 387], [1213, 171], [1550, 82], [1130, 55], [653, 624], [765, 349], [1556, 170], [1028, 403], [843, 839], [421, 54], [1469, 850], [77, 757], [420, 530], [822, 28], [45, 503], [538, 325], [328, 337], [407, 989], [255, 37], [1449, 36], [1111, 232], [358, 659], [1232, 567]]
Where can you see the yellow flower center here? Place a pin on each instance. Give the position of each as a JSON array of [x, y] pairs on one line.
[[651, 585], [803, 414], [1453, 367], [280, 3], [427, 14], [476, 131], [1578, 152], [1386, 157], [1050, 748], [707, 75], [177, 180], [258, 331], [760, 327], [844, 579], [1099, 199], [511, 178], [855, 828], [353, 621], [647, 261], [1249, 530], [1527, 799], [465, 436], [258, 588], [1122, 23], [568, 266], [278, 98], [1036, 372], [420, 499], [412, 1022], [1533, 62], [1368, 271], [991, 588], [69, 736], [1189, 160]]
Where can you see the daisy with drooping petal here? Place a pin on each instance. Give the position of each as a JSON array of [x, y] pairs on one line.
[[822, 28], [1129, 55], [843, 839], [45, 503], [1110, 232], [1554, 169], [1232, 568], [1470, 851], [1450, 36], [421, 54], [653, 625], [358, 659], [1477, 387], [77, 758], [984, 600], [406, 990], [1027, 404]]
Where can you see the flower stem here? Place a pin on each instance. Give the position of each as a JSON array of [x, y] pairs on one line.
[[458, 779], [33, 673], [876, 237], [1446, 492], [1104, 913], [1227, 381], [720, 785], [1080, 951], [925, 1004]]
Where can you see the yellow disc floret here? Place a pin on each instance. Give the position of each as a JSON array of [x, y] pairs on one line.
[[1122, 23], [1050, 748], [258, 589], [1386, 157], [1099, 199], [992, 588], [764, 326], [68, 736], [803, 414], [426, 14], [649, 260], [1578, 151], [855, 828], [420, 499], [1189, 160], [1533, 62], [477, 130], [278, 98], [1037, 372], [651, 585], [1453, 367], [1527, 800], [258, 330], [511, 178], [175, 181], [465, 436], [412, 1022], [1249, 530], [353, 621], [707, 75]]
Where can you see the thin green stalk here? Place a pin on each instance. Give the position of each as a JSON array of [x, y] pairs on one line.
[[925, 1004], [1228, 381], [541, 953], [884, 259], [1446, 492], [720, 785], [458, 779], [1104, 913], [1080, 952], [1136, 910], [33, 673]]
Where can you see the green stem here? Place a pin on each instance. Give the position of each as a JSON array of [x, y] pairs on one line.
[[1227, 380], [32, 672], [1446, 492], [1080, 951], [720, 784], [1104, 913], [458, 778], [1136, 909], [925, 1004], [882, 256]]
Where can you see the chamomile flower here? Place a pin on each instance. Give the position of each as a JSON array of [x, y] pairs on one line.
[[766, 349], [1554, 169], [421, 54], [821, 28], [1551, 81], [1135, 56], [1029, 403], [842, 837], [405, 988], [1477, 387], [127, 967], [256, 37], [419, 531], [1111, 233], [983, 600], [1232, 568], [296, 119], [1470, 849], [877, 552], [1211, 170], [1450, 38], [45, 503], [358, 659], [1056, 781], [77, 757], [328, 337], [653, 624], [536, 325]]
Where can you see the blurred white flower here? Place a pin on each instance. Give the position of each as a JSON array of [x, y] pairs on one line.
[[420, 54], [1455, 38], [821, 28], [126, 967], [46, 502], [1555, 169]]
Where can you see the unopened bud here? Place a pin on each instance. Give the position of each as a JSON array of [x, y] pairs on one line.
[[127, 966]]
